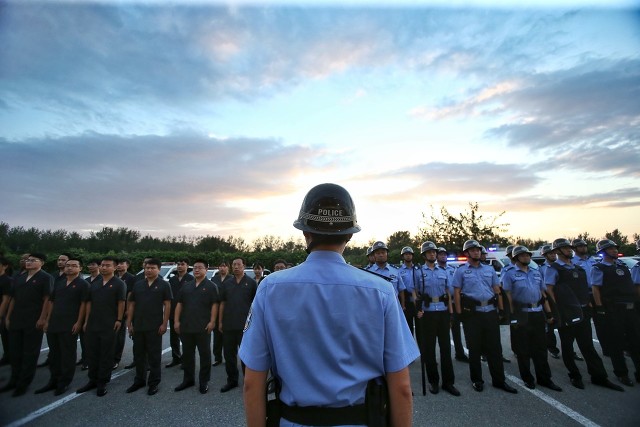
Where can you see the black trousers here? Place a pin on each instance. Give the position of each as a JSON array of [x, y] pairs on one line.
[[147, 347], [83, 354], [62, 357], [622, 327], [456, 335], [581, 333], [529, 343], [482, 333], [218, 339], [435, 326], [100, 346], [552, 341], [4, 334], [174, 341], [410, 314], [25, 349], [232, 340], [121, 338], [190, 342]]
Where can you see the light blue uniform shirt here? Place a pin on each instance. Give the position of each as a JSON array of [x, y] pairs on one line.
[[526, 287], [597, 276], [587, 264], [410, 277], [391, 272], [635, 274], [303, 325], [505, 271], [436, 283], [477, 283]]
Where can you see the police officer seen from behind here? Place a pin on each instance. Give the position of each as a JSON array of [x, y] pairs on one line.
[[477, 294], [434, 313], [552, 343], [236, 297], [615, 297], [568, 289], [381, 254], [195, 317], [26, 318], [530, 311], [410, 274], [177, 281], [325, 355], [67, 308]]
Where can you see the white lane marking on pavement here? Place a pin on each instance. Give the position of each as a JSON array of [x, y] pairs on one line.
[[40, 412], [550, 400]]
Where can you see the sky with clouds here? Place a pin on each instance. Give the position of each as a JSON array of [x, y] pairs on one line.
[[215, 118]]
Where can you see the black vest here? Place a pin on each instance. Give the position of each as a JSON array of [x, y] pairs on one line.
[[574, 279], [617, 285]]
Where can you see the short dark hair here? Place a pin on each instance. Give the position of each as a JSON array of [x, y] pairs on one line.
[[4, 261], [110, 258], [258, 265], [280, 261], [75, 258], [183, 260], [67, 254], [224, 262], [154, 261], [93, 261], [201, 261], [42, 257], [124, 260], [240, 258], [330, 239]]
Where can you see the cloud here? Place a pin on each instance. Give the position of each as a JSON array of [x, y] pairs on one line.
[[164, 182]]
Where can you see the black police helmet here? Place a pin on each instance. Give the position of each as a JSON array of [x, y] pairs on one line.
[[470, 244], [560, 243], [327, 209], [605, 244]]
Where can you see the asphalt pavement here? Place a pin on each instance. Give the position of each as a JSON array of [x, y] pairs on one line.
[[593, 406]]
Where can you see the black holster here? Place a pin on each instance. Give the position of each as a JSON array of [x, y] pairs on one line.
[[274, 408]]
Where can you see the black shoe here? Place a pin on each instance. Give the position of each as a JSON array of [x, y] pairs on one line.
[[43, 364], [478, 386], [551, 385], [577, 383], [506, 387], [84, 367], [216, 363], [80, 362], [626, 381], [434, 388], [577, 357], [204, 388], [530, 385], [19, 391], [174, 362], [451, 389], [607, 384], [184, 385], [483, 358], [7, 387], [554, 354], [102, 391], [228, 386], [130, 365], [462, 358], [46, 388], [88, 386], [152, 390], [505, 360], [61, 390], [115, 366], [135, 387]]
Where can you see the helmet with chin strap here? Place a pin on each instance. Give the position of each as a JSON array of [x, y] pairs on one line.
[[327, 209]]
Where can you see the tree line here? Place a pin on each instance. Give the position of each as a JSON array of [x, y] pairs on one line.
[[440, 226]]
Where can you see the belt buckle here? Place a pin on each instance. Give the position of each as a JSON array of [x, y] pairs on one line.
[[435, 299], [484, 303]]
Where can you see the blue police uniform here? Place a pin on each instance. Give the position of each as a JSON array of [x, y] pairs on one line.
[[586, 263], [303, 327], [456, 336], [552, 342], [528, 340], [481, 328], [393, 273], [434, 291], [410, 277], [635, 273]]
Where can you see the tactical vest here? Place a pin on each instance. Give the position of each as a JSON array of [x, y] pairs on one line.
[[575, 279], [617, 285]]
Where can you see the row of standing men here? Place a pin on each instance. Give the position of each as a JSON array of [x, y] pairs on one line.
[[569, 290]]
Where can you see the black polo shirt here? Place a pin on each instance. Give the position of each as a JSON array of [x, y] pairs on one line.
[[66, 304], [104, 298], [196, 305], [6, 282], [129, 280], [237, 299], [149, 300], [176, 285], [27, 297]]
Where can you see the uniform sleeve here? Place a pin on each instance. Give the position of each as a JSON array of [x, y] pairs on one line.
[[47, 289], [596, 276], [223, 292], [495, 281], [550, 276], [167, 292], [457, 278], [122, 291], [507, 282], [400, 349], [401, 285], [84, 294], [254, 349], [635, 274]]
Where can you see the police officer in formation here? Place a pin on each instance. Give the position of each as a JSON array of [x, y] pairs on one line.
[[433, 294], [456, 325], [568, 289], [530, 311], [477, 293], [410, 274], [380, 253], [177, 281], [552, 343], [616, 298], [326, 355]]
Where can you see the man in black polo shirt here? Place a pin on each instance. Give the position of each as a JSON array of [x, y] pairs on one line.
[[195, 317], [149, 309], [93, 267], [104, 311], [6, 282], [236, 297], [66, 318], [129, 280], [177, 281], [218, 279], [26, 318]]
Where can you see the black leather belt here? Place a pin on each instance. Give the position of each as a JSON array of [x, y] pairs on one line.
[[322, 416]]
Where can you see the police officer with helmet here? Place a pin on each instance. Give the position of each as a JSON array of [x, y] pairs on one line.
[[568, 290], [552, 343], [380, 253], [477, 294], [635, 271], [529, 312], [410, 274], [615, 297], [456, 335], [352, 352]]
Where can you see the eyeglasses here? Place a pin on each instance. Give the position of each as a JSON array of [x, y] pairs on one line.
[[32, 260]]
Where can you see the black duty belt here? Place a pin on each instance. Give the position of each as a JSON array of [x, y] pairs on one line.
[[322, 416]]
